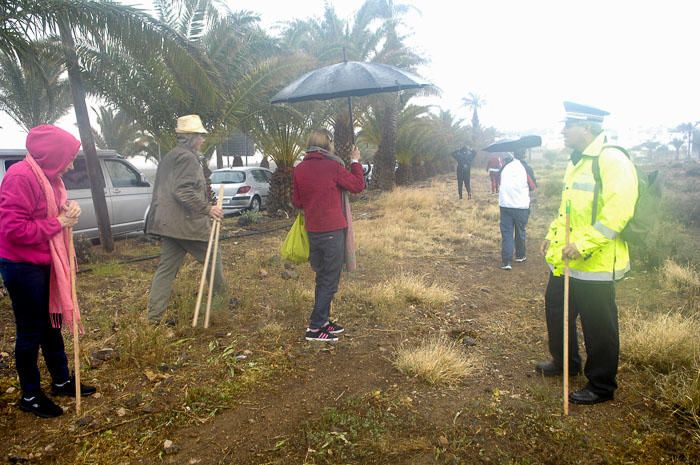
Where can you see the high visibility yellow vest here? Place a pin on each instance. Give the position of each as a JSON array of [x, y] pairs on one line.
[[604, 255]]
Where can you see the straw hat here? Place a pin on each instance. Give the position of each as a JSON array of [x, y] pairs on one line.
[[190, 124]]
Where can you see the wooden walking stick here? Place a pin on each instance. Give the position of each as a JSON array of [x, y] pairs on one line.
[[204, 275], [217, 226], [212, 234], [76, 339], [566, 312]]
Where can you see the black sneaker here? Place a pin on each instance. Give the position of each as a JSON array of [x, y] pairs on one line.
[[68, 389], [40, 405], [333, 327], [320, 335]]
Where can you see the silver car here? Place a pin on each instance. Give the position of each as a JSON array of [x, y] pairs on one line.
[[245, 187], [127, 192]]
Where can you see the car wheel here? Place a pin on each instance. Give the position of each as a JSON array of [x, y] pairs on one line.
[[255, 204]]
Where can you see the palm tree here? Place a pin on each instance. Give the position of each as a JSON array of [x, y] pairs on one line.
[[370, 35], [108, 22], [677, 144], [474, 102], [687, 130], [33, 95], [117, 131]]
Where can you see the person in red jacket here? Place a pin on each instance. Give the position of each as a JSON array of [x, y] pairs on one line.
[[493, 167], [320, 185], [35, 217]]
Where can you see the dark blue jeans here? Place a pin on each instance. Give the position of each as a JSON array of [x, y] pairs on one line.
[[326, 255], [513, 222], [28, 286]]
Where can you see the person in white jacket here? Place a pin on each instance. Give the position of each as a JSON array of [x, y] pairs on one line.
[[514, 203]]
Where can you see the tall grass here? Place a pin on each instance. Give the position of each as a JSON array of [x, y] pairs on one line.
[[679, 277], [668, 348], [663, 343]]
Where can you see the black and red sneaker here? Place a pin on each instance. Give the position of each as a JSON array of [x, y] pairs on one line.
[[320, 335], [333, 327]]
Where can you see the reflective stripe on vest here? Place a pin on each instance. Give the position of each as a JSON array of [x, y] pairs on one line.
[[605, 231], [595, 275], [583, 186]]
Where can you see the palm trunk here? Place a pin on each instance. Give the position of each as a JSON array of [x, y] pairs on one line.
[[342, 133], [385, 159], [97, 186], [281, 189]]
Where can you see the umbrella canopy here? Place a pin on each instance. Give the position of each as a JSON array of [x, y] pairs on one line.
[[525, 142], [348, 79]]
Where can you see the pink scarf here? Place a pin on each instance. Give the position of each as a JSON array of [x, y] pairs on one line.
[[61, 304]]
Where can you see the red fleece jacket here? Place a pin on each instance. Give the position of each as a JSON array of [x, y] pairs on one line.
[[317, 185], [25, 229]]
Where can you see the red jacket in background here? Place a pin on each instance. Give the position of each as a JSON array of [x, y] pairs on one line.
[[317, 186]]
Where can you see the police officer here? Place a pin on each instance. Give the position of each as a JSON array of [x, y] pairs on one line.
[[597, 255]]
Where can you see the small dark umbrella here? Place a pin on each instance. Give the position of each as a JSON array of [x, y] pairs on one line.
[[348, 79], [525, 142]]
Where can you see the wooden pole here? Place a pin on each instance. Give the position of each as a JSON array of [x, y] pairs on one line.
[[76, 338], [216, 228], [204, 276], [566, 313]]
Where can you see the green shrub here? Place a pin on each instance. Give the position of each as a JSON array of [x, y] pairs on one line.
[[249, 217]]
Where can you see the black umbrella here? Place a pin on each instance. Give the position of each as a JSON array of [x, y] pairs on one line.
[[525, 142], [348, 79]]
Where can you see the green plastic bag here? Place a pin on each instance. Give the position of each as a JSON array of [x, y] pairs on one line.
[[295, 247]]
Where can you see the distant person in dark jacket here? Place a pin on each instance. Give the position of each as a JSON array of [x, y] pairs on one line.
[[320, 186], [464, 158]]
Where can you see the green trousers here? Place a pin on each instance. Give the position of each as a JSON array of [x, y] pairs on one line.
[[172, 254]]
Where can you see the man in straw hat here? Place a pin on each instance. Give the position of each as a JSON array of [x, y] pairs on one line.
[[602, 201], [181, 214]]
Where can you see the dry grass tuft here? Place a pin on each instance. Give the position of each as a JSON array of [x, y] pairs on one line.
[[437, 361], [679, 277], [412, 289], [681, 392], [403, 198], [664, 343]]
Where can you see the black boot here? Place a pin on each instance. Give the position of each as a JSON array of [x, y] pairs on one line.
[[40, 405], [68, 389]]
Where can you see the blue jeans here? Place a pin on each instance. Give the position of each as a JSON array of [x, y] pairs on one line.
[[28, 286], [513, 222]]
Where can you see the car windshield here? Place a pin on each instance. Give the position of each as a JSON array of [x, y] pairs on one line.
[[227, 177]]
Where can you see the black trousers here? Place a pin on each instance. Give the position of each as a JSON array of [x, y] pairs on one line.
[[594, 303], [464, 177], [28, 286], [326, 255]]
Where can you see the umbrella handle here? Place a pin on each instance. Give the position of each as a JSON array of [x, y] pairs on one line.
[[352, 126]]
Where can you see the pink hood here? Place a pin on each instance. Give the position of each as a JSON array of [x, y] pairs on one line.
[[52, 148]]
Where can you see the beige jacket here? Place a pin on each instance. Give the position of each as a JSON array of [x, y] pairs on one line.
[[180, 208]]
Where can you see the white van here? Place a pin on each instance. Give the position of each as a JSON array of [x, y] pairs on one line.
[[127, 192]]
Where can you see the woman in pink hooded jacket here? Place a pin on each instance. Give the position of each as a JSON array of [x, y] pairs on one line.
[[35, 218]]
